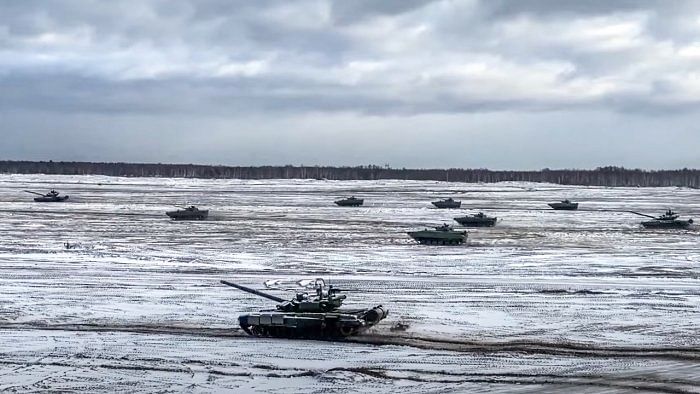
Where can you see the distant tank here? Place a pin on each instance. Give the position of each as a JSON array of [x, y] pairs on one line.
[[477, 220], [52, 196], [442, 235], [564, 205], [188, 213], [669, 219], [447, 203], [350, 202], [317, 316]]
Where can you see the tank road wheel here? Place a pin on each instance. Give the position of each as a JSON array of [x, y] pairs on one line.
[[246, 329], [346, 331], [281, 332], [256, 331], [327, 329], [287, 332]]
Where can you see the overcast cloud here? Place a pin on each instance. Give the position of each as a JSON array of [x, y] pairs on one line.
[[444, 83]]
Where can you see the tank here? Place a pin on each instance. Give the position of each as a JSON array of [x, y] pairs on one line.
[[564, 205], [447, 203], [477, 220], [442, 235], [669, 219], [350, 202], [317, 316], [52, 196], [188, 213]]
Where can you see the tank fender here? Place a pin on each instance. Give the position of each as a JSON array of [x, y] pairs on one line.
[[375, 315], [243, 322]]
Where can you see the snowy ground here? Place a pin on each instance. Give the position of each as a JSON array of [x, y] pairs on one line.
[[546, 300]]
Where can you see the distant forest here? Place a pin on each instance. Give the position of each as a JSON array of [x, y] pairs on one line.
[[602, 176]]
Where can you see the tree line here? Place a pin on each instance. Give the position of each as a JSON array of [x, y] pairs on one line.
[[602, 176]]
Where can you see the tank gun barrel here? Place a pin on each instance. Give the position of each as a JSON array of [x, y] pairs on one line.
[[253, 291], [29, 191], [641, 214]]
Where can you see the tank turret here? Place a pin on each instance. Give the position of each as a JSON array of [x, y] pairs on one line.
[[668, 215], [325, 300]]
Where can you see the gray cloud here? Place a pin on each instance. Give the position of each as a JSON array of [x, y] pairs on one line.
[[507, 8], [215, 63]]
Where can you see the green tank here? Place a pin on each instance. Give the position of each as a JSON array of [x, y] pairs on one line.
[[564, 205], [188, 213], [52, 196], [669, 220], [447, 203], [350, 202], [317, 316], [477, 220], [442, 235]]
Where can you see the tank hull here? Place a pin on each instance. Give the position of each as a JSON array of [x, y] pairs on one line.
[[331, 325], [51, 199], [188, 215], [667, 224], [349, 203], [447, 204], [469, 221], [428, 237], [560, 206]]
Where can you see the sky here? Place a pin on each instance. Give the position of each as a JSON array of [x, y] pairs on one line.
[[500, 84]]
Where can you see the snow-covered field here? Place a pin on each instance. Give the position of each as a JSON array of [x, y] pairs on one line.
[[546, 300]]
